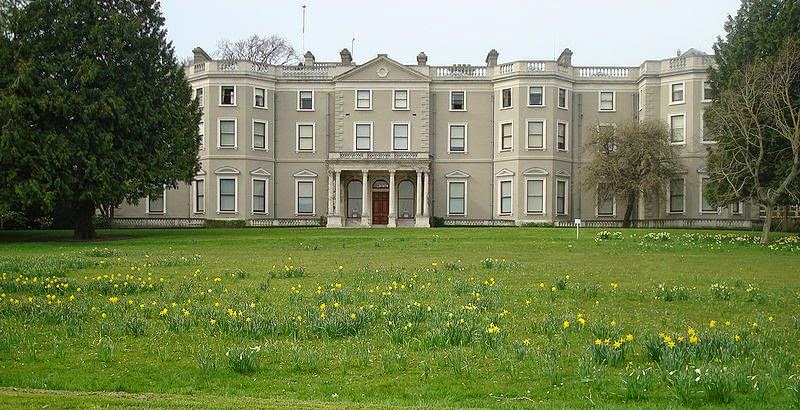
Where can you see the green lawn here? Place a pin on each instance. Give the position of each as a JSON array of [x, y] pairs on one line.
[[309, 318]]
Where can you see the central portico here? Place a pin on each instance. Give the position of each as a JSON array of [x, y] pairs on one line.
[[379, 189]]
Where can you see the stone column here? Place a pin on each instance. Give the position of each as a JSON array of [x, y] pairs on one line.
[[365, 219], [337, 207], [418, 197], [392, 195], [334, 205], [425, 199], [331, 193]]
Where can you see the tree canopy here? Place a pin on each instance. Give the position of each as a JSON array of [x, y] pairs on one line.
[[273, 50], [94, 108]]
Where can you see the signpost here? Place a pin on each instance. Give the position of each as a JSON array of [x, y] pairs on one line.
[[577, 228]]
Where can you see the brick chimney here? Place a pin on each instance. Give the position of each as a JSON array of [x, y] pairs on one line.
[[491, 58], [308, 59], [347, 58], [422, 59]]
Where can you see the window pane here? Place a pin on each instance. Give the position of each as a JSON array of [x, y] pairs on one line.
[[354, 198], [227, 127], [457, 100], [362, 98], [259, 187], [535, 97], [677, 128], [306, 100], [535, 199], [400, 132], [227, 95], [535, 134], [227, 186], [457, 206], [562, 98], [401, 99], [157, 203]]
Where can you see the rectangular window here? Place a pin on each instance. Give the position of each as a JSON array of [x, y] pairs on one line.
[[506, 136], [505, 197], [227, 133], [640, 99], [606, 101], [305, 100], [535, 134], [676, 193], [201, 134], [227, 195], [457, 101], [259, 196], [259, 97], [305, 137], [536, 96], [705, 206], [605, 203], [458, 138], [227, 95], [155, 203], [400, 137], [562, 98], [736, 208], [363, 99], [561, 197], [607, 133], [199, 96], [199, 195], [363, 137], [259, 135], [456, 197], [561, 136], [400, 100], [708, 95], [534, 203], [676, 93], [677, 126], [305, 197], [506, 98], [707, 136]]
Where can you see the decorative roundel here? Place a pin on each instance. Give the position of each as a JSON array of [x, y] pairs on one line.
[[383, 72]]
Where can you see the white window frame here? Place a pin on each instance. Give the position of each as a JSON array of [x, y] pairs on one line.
[[235, 179], [669, 197], [253, 196], [221, 95], [450, 136], [703, 130], [235, 133], [500, 134], [313, 137], [640, 101], [371, 136], [527, 134], [451, 100], [194, 195], [543, 104], [700, 209], [266, 135], [355, 93], [544, 196], [566, 136], [510, 98], [265, 97], [313, 196], [613, 101], [394, 100], [741, 208], [500, 183], [201, 101], [163, 204], [408, 137], [201, 131], [671, 93], [466, 194], [313, 100], [566, 98], [685, 128], [566, 197], [705, 97], [597, 213]]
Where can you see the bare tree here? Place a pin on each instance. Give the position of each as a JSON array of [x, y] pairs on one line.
[[756, 120], [630, 161], [274, 50]]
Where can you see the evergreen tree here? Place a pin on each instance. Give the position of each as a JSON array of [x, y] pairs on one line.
[[94, 108]]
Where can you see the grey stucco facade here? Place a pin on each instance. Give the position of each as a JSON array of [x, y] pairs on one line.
[[383, 143]]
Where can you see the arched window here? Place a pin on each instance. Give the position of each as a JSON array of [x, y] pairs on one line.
[[355, 193], [405, 199], [380, 184]]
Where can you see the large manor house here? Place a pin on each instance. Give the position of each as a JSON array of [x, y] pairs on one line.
[[389, 144]]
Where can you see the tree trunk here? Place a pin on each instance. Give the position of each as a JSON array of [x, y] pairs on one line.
[[767, 225], [626, 222], [84, 226]]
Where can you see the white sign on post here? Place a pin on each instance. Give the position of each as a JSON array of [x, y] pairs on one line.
[[577, 228]]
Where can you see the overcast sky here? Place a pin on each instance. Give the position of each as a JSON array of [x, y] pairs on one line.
[[623, 32]]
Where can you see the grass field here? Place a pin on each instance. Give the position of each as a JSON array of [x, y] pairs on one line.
[[298, 318]]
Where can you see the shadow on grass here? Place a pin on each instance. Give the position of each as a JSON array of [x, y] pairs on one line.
[[57, 236]]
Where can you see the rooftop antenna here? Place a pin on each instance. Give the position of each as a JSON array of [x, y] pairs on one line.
[[353, 45], [304, 28]]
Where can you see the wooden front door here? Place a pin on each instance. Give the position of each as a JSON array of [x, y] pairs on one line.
[[380, 208]]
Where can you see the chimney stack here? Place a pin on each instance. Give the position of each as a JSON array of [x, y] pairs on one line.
[[491, 58], [347, 58], [200, 56], [565, 58], [308, 59], [422, 59]]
